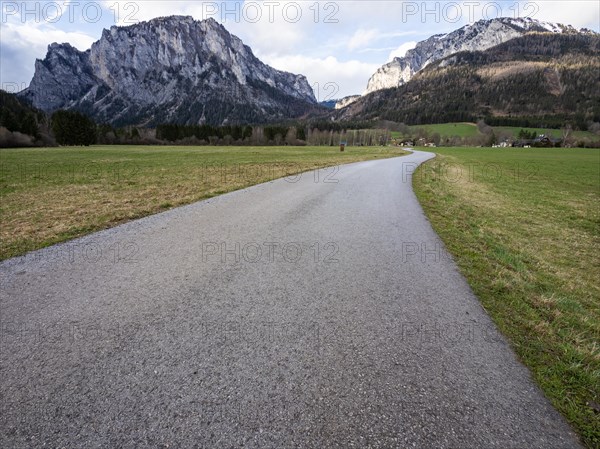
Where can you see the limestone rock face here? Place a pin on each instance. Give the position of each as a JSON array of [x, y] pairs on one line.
[[346, 101], [170, 69]]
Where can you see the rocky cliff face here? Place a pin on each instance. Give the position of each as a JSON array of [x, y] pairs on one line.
[[346, 101], [478, 36], [172, 69]]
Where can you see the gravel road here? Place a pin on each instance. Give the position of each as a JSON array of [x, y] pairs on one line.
[[314, 311]]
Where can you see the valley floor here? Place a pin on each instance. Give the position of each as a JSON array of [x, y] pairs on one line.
[[305, 314], [50, 195], [523, 225]]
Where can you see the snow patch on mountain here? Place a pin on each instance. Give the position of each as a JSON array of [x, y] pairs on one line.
[[478, 36]]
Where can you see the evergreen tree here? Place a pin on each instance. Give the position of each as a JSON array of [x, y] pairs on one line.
[[73, 128], [17, 116]]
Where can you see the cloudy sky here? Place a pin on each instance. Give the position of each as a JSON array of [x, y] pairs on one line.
[[338, 45]]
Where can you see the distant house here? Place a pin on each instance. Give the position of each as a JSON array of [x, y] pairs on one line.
[[523, 143], [545, 141], [541, 141]]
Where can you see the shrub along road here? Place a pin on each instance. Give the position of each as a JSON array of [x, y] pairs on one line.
[[297, 313]]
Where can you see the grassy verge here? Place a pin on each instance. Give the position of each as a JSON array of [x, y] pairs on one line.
[[49, 195], [524, 226]]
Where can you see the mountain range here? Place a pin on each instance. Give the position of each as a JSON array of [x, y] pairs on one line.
[[179, 70]]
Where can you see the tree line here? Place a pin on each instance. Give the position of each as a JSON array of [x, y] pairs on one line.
[[22, 125], [314, 134]]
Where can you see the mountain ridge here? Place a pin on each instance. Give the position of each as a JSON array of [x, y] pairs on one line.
[[478, 36], [540, 77]]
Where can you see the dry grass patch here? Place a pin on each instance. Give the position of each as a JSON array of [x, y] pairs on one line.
[[55, 194]]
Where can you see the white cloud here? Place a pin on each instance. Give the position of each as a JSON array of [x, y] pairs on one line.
[[401, 50], [23, 43], [278, 28], [278, 38], [37, 38], [577, 13], [362, 38], [330, 77], [128, 12], [442, 16]]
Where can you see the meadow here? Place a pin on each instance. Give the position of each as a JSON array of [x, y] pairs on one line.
[[447, 129], [524, 228], [555, 133], [471, 130], [50, 195]]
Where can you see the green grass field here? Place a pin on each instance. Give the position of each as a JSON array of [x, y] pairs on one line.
[[556, 133], [470, 130], [49, 195], [524, 227], [445, 129]]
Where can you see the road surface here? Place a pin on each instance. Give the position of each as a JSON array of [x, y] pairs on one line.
[[313, 311]]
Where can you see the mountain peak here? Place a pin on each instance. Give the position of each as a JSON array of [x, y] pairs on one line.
[[540, 77], [477, 36], [168, 69]]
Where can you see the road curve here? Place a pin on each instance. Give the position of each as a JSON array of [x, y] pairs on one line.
[[315, 311]]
